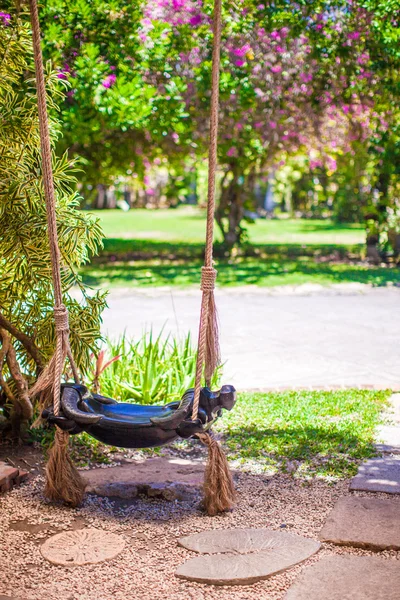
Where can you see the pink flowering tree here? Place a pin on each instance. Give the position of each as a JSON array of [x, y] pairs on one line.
[[293, 80], [303, 78]]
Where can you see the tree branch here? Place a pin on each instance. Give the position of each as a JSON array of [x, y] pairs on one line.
[[5, 345], [25, 340], [21, 384]]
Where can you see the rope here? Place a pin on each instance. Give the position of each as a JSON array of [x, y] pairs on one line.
[[208, 275], [63, 348]]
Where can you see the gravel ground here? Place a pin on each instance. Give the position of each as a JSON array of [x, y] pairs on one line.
[[151, 529]]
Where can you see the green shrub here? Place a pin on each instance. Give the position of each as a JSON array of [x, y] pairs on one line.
[[151, 370]]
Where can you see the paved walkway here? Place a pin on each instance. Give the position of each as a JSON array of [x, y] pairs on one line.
[[293, 337]]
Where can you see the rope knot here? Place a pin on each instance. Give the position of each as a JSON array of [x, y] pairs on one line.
[[61, 318], [208, 277]]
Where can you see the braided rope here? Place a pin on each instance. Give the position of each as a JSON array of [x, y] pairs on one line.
[[208, 275], [63, 348]]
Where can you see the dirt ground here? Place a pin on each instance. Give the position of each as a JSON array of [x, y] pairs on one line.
[[151, 528]]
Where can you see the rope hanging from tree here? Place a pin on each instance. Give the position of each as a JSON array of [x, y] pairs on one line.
[[63, 480], [219, 492]]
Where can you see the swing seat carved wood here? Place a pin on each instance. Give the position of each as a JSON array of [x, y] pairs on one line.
[[134, 425]]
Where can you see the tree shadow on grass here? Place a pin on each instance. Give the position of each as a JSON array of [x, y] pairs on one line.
[[135, 249], [322, 449], [261, 272]]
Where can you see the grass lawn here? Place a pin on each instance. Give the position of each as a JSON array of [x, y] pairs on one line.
[[314, 433], [164, 248], [266, 272], [187, 224]]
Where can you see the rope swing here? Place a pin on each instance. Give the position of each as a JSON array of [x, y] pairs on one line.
[[63, 482], [219, 492]]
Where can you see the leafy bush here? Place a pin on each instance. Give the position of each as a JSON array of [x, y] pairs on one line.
[[151, 370], [27, 333]]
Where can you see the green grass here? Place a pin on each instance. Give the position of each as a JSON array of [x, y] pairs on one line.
[[187, 224], [265, 272], [165, 247], [317, 433]]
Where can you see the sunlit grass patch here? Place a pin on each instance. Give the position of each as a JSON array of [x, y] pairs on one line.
[[311, 433]]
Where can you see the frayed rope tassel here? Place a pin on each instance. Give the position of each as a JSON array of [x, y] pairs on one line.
[[219, 490], [63, 481]]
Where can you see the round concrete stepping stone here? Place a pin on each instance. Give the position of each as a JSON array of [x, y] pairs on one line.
[[82, 547], [348, 578], [242, 556], [365, 523]]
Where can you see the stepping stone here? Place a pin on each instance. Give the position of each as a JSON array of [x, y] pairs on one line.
[[170, 479], [82, 547], [378, 475], [243, 556], [348, 578], [365, 523], [10, 477]]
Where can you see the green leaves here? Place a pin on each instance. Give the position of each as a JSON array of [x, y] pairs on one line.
[[151, 370], [26, 296]]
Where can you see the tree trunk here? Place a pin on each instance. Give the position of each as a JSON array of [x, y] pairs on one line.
[[101, 196], [230, 210]]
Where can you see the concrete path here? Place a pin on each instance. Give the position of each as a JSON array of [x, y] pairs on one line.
[[293, 337]]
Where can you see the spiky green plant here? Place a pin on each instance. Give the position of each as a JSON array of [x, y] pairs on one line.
[[151, 370], [26, 319]]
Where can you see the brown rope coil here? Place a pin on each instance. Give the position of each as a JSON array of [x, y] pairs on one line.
[[61, 318], [208, 278]]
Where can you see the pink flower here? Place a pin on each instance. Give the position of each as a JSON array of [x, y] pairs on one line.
[[109, 81], [242, 51], [314, 164], [5, 17], [331, 164], [232, 151], [273, 124], [354, 35], [306, 77], [258, 124], [363, 58], [259, 92], [275, 35], [196, 20], [276, 69], [240, 63], [280, 49]]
